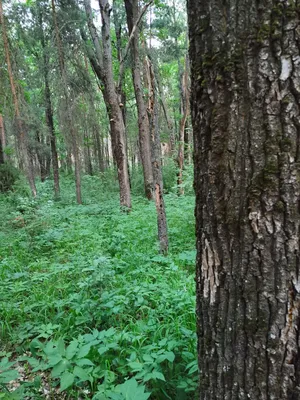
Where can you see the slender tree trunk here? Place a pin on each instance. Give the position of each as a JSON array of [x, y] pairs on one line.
[[48, 109], [22, 136], [156, 157], [102, 66], [2, 140], [70, 124], [187, 144], [118, 32], [132, 11], [40, 156], [87, 155], [245, 68], [185, 98]]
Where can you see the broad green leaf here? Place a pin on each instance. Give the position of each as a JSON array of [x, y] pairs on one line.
[[66, 380], [132, 391], [170, 356], [158, 375], [81, 373], [8, 376], [84, 351], [59, 368], [84, 361], [135, 366], [72, 349], [147, 358], [54, 359]]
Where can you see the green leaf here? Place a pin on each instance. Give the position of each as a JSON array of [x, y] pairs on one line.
[[72, 349], [158, 375], [135, 366], [147, 358], [84, 351], [54, 359], [103, 349], [132, 391], [66, 380], [8, 376], [84, 361], [170, 356], [59, 368], [81, 373]]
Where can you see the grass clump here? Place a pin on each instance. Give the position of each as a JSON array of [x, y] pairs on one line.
[[88, 308]]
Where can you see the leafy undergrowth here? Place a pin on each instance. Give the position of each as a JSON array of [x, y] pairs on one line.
[[88, 309]]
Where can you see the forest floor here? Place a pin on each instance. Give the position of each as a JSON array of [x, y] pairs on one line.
[[88, 308]]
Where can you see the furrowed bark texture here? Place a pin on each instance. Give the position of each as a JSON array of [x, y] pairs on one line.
[[245, 67]]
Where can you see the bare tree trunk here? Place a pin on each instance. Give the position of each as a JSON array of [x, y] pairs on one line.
[[68, 106], [118, 32], [102, 65], [2, 140], [156, 157], [245, 68], [132, 12], [185, 98], [48, 110], [22, 136], [87, 155]]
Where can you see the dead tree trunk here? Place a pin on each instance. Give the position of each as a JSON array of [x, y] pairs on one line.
[[22, 135], [245, 68], [132, 12]]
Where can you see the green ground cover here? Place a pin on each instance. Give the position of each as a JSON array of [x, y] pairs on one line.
[[88, 309]]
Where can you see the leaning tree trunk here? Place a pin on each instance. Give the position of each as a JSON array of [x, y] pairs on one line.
[[245, 64], [22, 134], [132, 12]]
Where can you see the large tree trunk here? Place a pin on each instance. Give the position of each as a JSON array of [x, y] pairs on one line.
[[69, 119], [156, 157], [22, 135], [102, 65], [132, 11], [245, 66]]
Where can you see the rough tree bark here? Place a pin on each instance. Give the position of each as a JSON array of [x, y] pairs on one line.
[[153, 113], [245, 68], [69, 120], [48, 108], [132, 12], [102, 65], [22, 135]]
